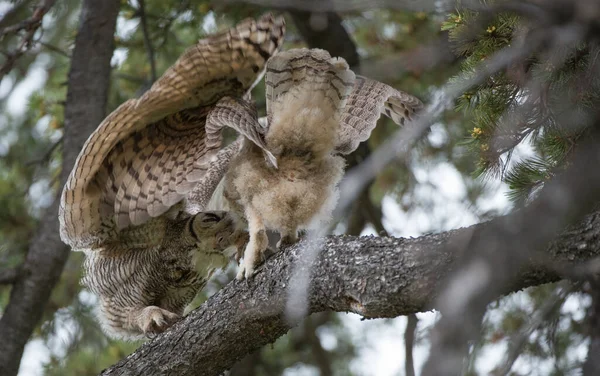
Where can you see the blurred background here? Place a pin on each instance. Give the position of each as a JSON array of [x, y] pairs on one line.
[[454, 177]]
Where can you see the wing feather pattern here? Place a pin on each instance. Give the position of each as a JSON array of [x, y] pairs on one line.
[[301, 71], [151, 151], [367, 101]]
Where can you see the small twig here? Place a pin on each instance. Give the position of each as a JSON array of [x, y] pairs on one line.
[[147, 41], [409, 344], [347, 5], [8, 276], [31, 25], [129, 77], [13, 13], [46, 155], [54, 49]]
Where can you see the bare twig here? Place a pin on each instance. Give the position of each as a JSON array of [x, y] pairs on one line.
[[14, 13], [352, 5], [147, 41], [54, 49], [129, 77], [46, 157], [409, 344], [30, 25]]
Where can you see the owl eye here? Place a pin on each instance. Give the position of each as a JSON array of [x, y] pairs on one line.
[[210, 218]]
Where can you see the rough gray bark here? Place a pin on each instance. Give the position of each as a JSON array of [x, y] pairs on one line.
[[84, 110], [374, 277]]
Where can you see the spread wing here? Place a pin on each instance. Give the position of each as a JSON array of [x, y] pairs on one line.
[[300, 71], [367, 101], [150, 152]]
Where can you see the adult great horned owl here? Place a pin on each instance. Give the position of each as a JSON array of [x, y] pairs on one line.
[[124, 202], [316, 109]]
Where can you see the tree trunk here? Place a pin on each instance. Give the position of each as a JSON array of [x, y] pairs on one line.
[[84, 110]]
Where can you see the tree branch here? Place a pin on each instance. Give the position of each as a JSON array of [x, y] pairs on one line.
[[350, 5], [147, 40], [30, 25], [374, 277], [409, 344], [84, 110]]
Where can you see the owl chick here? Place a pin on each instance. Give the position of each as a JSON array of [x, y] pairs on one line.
[[133, 200], [316, 110]]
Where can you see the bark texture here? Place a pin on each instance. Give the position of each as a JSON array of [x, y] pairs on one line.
[[374, 277], [84, 110]]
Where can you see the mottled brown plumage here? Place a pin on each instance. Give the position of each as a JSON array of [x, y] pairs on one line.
[[316, 110], [124, 203]]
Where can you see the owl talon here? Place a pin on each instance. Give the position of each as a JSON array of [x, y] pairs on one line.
[[154, 320], [245, 270]]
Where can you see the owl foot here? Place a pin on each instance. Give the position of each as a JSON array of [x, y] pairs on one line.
[[244, 271], [255, 248], [154, 320]]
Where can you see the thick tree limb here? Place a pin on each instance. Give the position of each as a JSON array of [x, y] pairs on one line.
[[374, 277], [84, 109]]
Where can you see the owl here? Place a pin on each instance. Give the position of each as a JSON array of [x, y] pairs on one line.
[[134, 202], [317, 110]]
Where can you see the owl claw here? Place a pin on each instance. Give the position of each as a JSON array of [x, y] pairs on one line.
[[154, 320], [245, 270]]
